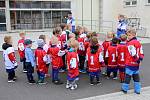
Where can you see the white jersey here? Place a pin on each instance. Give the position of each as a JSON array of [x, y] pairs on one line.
[[8, 63], [45, 48]]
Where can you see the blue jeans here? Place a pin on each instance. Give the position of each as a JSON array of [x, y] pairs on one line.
[[41, 76], [93, 75], [55, 73], [11, 74]]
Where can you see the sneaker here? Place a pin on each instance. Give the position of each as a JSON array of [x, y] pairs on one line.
[[15, 78], [98, 83], [73, 87], [125, 92], [68, 86], [24, 71], [104, 73], [32, 82], [58, 82], [47, 75], [61, 71], [11, 81], [137, 92], [115, 78], [92, 83], [82, 71], [42, 83]]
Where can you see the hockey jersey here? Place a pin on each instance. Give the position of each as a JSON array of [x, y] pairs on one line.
[[9, 56], [111, 54], [56, 56], [72, 63], [135, 53], [105, 46], [122, 51], [41, 59], [21, 48], [81, 49], [94, 60]]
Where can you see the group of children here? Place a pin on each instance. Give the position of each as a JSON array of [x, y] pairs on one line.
[[74, 53]]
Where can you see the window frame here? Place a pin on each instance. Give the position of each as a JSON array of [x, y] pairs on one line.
[[131, 3], [147, 2]]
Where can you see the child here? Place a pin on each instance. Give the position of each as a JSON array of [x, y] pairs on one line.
[[41, 60], [87, 44], [111, 56], [68, 31], [45, 47], [21, 48], [121, 50], [56, 56], [94, 58], [81, 51], [105, 46], [30, 61], [134, 57], [63, 38], [9, 59], [57, 32], [72, 63]]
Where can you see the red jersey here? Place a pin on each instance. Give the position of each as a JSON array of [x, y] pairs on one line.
[[41, 59], [81, 50], [111, 54], [105, 45], [63, 39], [121, 50], [134, 53], [94, 60], [56, 56], [21, 48], [72, 63], [86, 44]]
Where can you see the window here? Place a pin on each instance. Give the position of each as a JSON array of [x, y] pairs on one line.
[[20, 4], [130, 3], [56, 4], [2, 27], [147, 2], [2, 20], [36, 4], [2, 3], [40, 4], [65, 4], [47, 19], [56, 18], [2, 16]]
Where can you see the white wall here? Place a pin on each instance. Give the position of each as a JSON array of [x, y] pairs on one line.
[[86, 14], [140, 11], [111, 9]]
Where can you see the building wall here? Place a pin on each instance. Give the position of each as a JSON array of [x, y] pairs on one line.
[[140, 11], [86, 13]]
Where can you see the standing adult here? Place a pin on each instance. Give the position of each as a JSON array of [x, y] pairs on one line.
[[71, 21], [122, 25]]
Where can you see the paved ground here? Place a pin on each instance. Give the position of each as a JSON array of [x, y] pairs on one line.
[[120, 96], [23, 91]]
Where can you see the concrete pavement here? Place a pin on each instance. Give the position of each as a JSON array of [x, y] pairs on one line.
[[145, 95]]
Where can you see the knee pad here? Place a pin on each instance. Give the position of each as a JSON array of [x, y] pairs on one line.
[[127, 79], [136, 77]]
